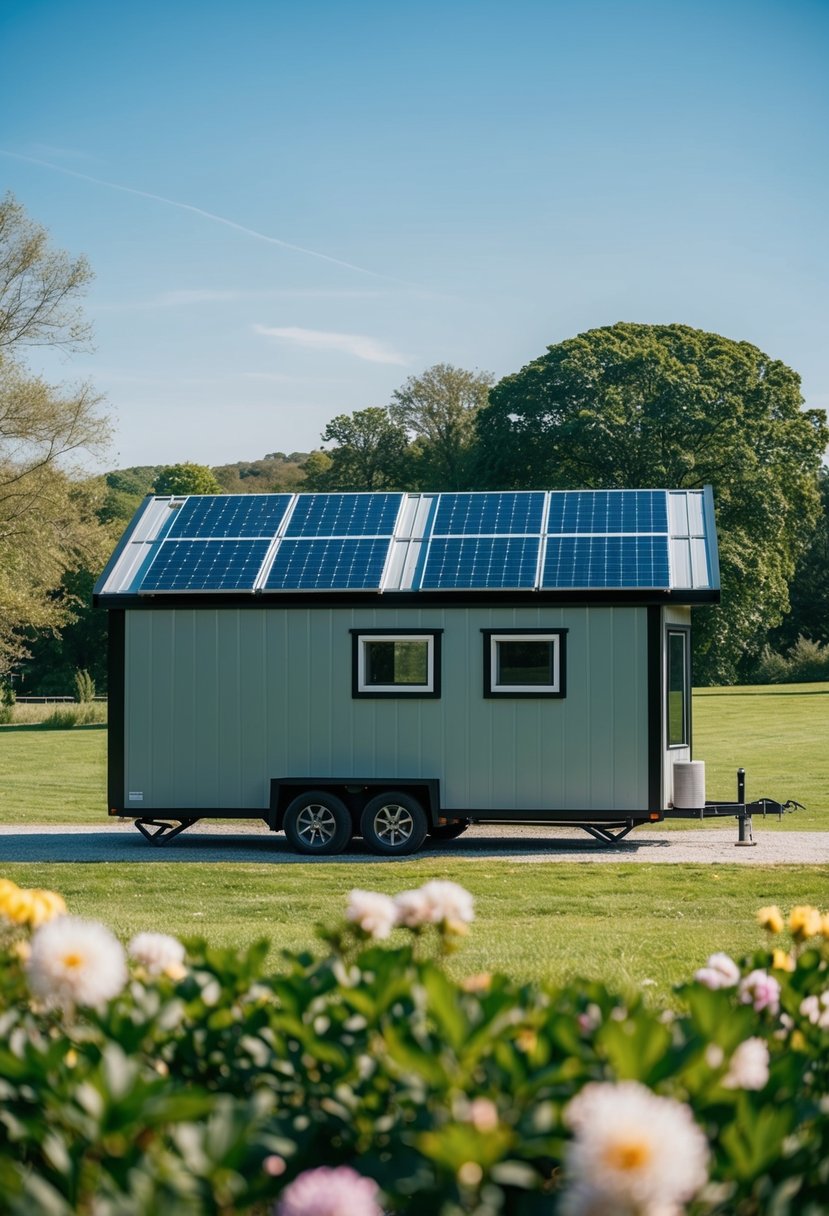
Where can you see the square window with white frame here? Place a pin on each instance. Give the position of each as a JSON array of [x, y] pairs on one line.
[[524, 662], [396, 664]]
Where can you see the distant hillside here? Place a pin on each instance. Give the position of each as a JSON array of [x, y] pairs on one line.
[[276, 471]]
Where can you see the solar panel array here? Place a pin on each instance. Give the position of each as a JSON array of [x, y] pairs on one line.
[[515, 540]]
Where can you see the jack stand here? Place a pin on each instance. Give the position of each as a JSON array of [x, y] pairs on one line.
[[745, 838]]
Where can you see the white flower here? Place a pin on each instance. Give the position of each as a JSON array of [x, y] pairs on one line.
[[816, 1009], [158, 953], [375, 914], [340, 1191], [447, 902], [413, 908], [749, 1067], [76, 962], [633, 1153], [719, 972]]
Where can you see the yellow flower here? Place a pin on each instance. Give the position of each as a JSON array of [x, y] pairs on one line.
[[804, 921], [8, 891], [781, 961], [824, 925], [770, 919], [32, 906], [477, 983]]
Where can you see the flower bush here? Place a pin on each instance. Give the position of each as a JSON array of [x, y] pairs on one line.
[[363, 1080]]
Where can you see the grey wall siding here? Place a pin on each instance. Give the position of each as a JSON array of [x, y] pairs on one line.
[[221, 700]]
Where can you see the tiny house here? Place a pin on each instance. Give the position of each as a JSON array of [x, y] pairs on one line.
[[393, 665]]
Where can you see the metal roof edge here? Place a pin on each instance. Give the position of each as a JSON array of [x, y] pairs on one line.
[[131, 528], [711, 535]]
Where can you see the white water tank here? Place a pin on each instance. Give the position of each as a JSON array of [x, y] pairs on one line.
[[689, 785]]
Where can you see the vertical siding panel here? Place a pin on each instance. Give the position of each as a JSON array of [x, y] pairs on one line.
[[576, 756], [206, 695], [229, 701]]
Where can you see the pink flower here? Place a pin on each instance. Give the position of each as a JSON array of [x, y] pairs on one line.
[[719, 972], [338, 1191], [760, 990]]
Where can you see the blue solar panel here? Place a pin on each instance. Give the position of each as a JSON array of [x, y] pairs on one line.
[[593, 562], [328, 565], [206, 516], [344, 515], [481, 561], [205, 565], [488, 514], [608, 511]]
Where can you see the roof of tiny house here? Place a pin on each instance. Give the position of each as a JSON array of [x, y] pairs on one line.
[[630, 545]]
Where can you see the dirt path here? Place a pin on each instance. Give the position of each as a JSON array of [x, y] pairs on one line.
[[254, 843]]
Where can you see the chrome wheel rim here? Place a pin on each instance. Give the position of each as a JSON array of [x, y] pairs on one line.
[[316, 825], [393, 824]]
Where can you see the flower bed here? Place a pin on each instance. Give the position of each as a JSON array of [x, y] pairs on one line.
[[364, 1080]]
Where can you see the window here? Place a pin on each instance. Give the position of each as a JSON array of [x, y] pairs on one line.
[[387, 664], [679, 683], [524, 662]]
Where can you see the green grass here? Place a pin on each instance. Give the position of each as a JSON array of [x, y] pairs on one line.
[[52, 776], [777, 733], [620, 923]]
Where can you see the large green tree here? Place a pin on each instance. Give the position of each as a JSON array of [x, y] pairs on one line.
[[187, 479], [48, 525], [371, 453], [809, 591], [438, 409], [667, 405]]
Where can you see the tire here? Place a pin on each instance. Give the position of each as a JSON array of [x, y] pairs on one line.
[[393, 824], [317, 823], [449, 831]]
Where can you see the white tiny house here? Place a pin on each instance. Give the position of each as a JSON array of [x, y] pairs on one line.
[[394, 665]]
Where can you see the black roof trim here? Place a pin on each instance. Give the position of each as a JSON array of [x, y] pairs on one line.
[[409, 599]]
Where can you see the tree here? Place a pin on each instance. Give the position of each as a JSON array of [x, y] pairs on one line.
[[187, 479], [47, 518], [809, 591], [370, 454], [667, 405], [39, 286], [438, 409]]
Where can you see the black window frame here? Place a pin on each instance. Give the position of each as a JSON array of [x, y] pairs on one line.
[[492, 690], [683, 632], [360, 692]]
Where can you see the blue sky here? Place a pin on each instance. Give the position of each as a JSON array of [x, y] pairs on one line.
[[318, 200]]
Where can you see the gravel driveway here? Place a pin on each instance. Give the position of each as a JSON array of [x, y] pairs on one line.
[[120, 841]]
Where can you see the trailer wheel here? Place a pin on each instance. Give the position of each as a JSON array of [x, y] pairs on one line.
[[393, 824], [449, 831], [317, 822]]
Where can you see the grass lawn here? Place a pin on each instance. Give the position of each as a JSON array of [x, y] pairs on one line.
[[777, 733], [624, 924]]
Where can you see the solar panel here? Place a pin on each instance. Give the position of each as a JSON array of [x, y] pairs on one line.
[[206, 516], [592, 562], [607, 511], [458, 563], [493, 514], [205, 565], [338, 563], [344, 515]]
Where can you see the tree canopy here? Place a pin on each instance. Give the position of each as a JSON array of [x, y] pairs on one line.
[[370, 454], [47, 516], [437, 409], [187, 479], [667, 405]]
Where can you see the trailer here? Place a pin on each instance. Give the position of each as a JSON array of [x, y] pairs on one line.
[[402, 665]]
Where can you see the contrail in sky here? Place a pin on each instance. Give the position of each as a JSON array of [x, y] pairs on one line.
[[208, 215]]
